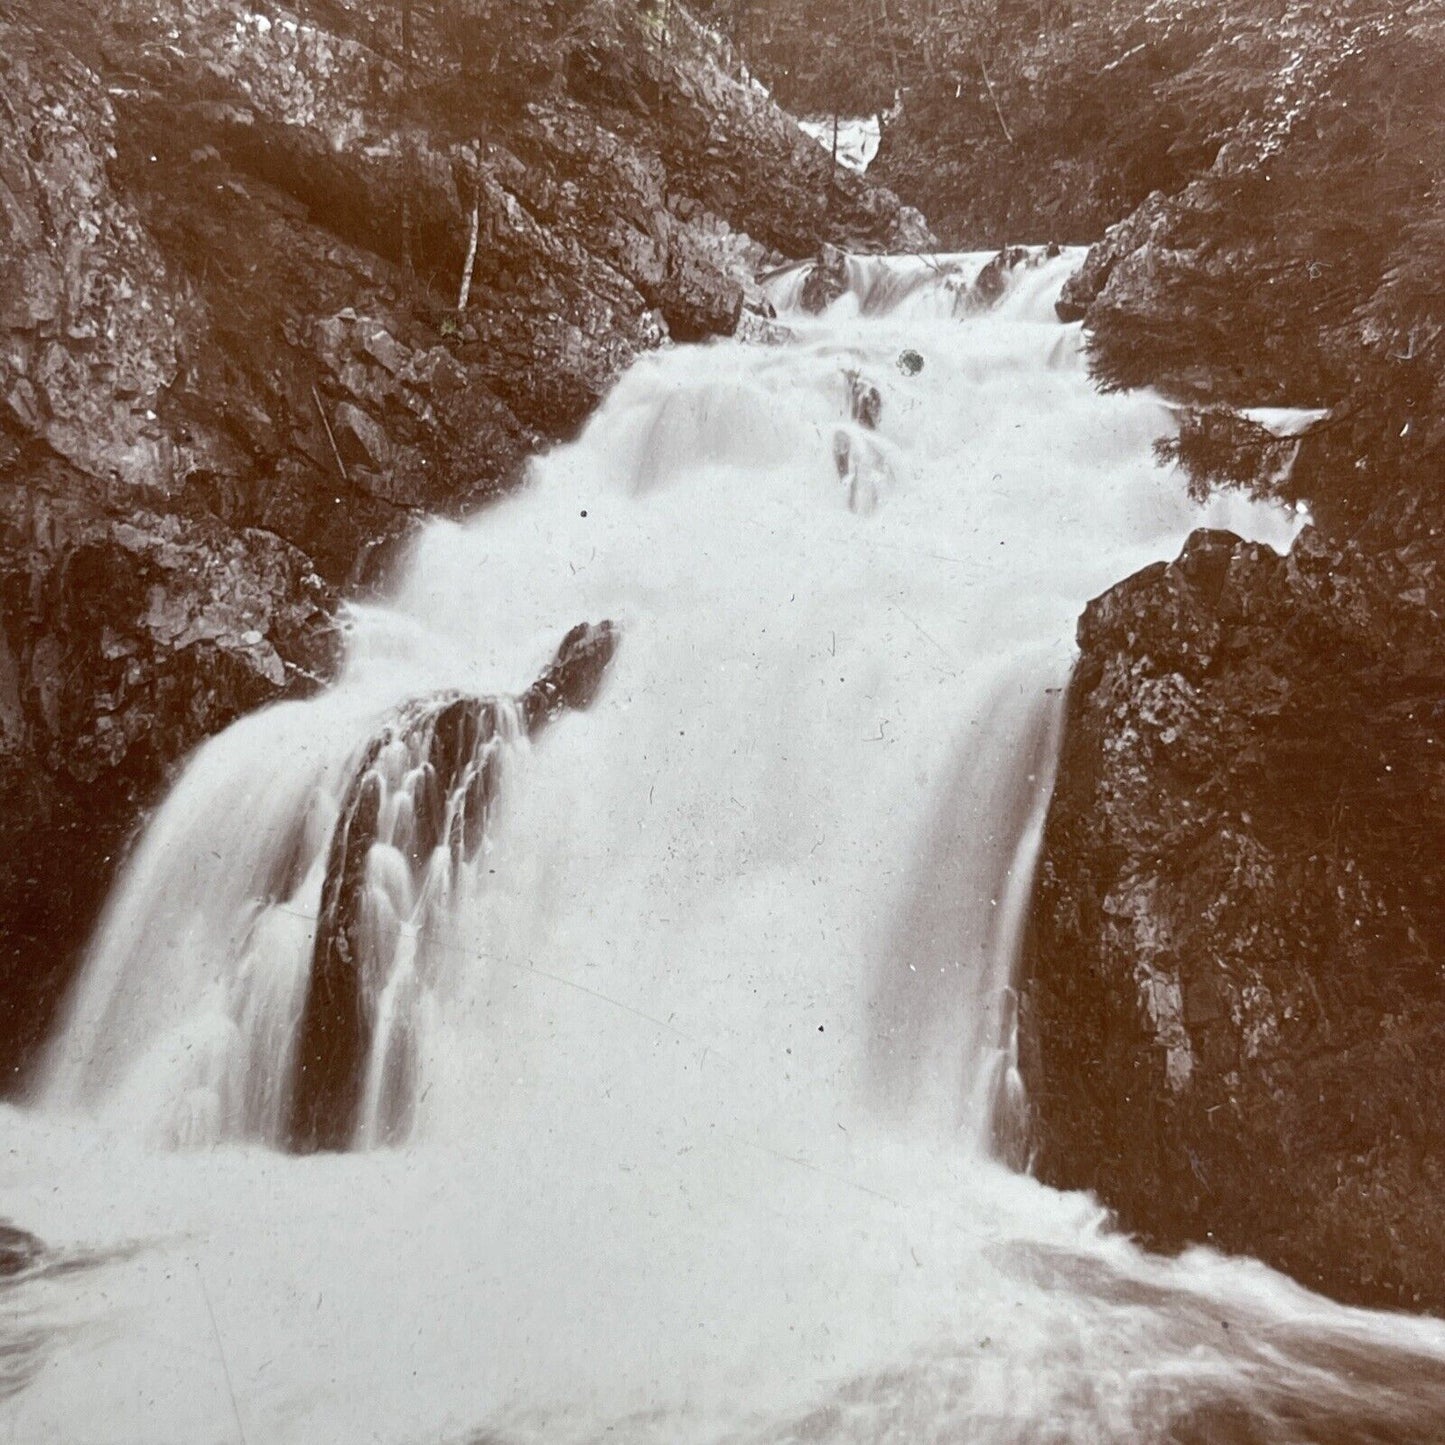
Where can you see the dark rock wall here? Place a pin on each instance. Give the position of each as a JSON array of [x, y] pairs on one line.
[[1233, 1018], [233, 374], [1234, 1007], [1055, 120]]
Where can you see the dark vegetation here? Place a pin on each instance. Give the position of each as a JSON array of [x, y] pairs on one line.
[[1303, 266], [1010, 120]]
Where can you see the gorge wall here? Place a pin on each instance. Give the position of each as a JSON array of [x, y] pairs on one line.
[[1233, 1007], [1233, 1015], [234, 372]]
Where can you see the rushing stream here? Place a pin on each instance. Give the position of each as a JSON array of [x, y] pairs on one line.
[[684, 1104]]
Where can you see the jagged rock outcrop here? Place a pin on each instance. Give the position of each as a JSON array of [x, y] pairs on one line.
[[124, 641], [1235, 1029], [1128, 237], [1166, 305], [454, 755], [233, 370], [1233, 1019], [825, 282]]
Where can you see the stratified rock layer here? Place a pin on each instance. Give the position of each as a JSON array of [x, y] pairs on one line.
[[1233, 1019]]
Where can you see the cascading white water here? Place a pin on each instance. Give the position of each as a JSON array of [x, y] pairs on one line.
[[711, 1050], [855, 140]]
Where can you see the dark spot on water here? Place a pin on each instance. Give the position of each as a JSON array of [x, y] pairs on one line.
[[19, 1250], [910, 363], [584, 511]]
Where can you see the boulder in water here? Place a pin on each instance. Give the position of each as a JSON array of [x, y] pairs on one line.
[[992, 282], [19, 1250], [826, 281], [574, 675], [757, 330], [452, 750], [865, 401], [1233, 1020]]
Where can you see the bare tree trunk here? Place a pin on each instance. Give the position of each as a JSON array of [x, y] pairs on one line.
[[330, 435], [833, 169], [988, 85], [406, 79], [465, 291]]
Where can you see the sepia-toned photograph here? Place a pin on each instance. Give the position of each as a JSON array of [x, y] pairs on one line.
[[722, 722]]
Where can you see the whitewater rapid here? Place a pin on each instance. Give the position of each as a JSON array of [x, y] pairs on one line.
[[712, 1102]]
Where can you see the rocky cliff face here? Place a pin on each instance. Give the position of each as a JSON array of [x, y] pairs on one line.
[[1051, 120], [1234, 1017], [1234, 1014], [233, 369]]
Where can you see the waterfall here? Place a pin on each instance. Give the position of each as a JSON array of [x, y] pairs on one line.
[[654, 1068]]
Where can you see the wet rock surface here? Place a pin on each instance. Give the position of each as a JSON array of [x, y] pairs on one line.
[[826, 281], [19, 1251], [1234, 1024], [1233, 1020], [234, 372], [125, 639], [456, 745]]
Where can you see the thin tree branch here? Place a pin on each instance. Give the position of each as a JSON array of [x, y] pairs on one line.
[[464, 294], [330, 435], [988, 85]]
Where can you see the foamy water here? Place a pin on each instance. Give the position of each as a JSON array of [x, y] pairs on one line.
[[713, 1085]]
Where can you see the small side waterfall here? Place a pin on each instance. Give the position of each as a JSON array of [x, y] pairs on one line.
[[317, 1048], [618, 1042], [415, 813], [413, 818]]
